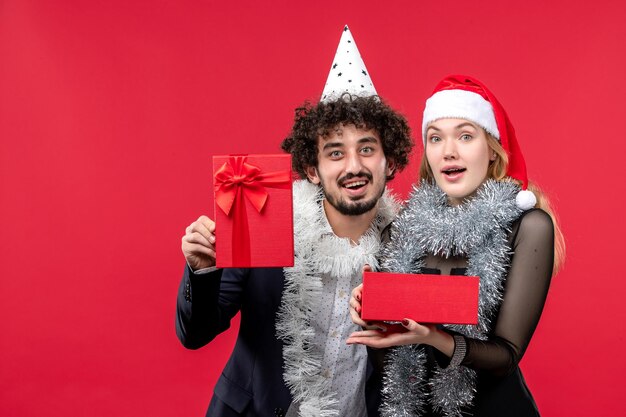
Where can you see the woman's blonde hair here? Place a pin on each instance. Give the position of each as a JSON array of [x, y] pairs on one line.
[[497, 171]]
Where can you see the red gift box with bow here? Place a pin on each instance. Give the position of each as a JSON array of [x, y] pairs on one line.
[[253, 211], [443, 299]]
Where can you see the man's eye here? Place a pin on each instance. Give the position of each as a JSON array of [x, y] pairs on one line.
[[367, 150], [335, 154]]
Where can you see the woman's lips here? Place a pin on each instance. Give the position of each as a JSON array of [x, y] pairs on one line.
[[453, 174]]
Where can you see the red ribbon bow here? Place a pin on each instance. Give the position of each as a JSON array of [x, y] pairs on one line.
[[237, 177]]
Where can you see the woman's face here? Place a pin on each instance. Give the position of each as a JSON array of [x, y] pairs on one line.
[[459, 156]]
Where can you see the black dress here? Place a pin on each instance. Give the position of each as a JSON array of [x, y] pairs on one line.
[[501, 389]]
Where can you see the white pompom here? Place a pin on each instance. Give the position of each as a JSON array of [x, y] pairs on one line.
[[525, 200]]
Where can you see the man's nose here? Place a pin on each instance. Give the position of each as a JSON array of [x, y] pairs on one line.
[[353, 163]]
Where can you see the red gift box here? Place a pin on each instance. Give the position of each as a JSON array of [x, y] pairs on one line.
[[445, 299], [253, 211]]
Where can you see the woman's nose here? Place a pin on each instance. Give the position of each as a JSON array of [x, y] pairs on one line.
[[449, 149]]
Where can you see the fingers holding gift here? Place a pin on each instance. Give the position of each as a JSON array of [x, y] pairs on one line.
[[421, 330], [381, 339], [357, 293], [198, 243], [408, 332], [355, 306], [203, 226], [356, 319]]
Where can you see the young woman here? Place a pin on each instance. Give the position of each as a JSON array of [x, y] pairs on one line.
[[473, 213]]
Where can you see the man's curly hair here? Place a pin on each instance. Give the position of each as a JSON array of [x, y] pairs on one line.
[[321, 120]]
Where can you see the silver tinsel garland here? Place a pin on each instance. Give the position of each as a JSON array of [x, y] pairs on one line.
[[318, 251], [477, 230]]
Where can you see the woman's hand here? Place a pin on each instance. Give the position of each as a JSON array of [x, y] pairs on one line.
[[355, 311], [355, 308], [408, 333]]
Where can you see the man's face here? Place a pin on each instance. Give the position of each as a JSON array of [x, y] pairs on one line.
[[352, 169]]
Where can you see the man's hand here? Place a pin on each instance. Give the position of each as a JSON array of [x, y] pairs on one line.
[[199, 243]]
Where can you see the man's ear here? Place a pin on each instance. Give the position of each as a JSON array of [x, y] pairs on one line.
[[391, 167], [311, 173]]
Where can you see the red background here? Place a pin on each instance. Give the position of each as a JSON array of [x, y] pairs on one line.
[[110, 112]]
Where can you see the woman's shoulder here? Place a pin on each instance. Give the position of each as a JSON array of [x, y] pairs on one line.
[[536, 217], [534, 222]]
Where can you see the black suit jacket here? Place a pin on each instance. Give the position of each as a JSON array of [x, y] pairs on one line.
[[251, 384]]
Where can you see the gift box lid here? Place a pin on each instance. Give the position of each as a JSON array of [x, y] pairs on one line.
[[444, 299]]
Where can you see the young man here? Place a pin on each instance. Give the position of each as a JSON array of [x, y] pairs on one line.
[[290, 357]]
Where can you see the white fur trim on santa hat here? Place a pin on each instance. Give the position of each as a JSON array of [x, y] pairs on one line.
[[460, 104]]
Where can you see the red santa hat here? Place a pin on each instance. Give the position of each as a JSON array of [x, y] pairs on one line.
[[463, 97]]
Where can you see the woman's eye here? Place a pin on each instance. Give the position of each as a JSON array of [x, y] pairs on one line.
[[434, 139], [466, 137]]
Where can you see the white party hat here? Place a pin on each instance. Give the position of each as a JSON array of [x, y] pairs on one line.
[[348, 73]]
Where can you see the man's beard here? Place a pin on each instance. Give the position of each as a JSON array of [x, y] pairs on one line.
[[353, 208]]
